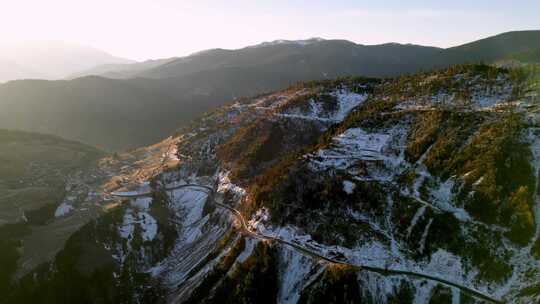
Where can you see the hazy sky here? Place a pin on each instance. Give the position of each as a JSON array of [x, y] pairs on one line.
[[142, 29]]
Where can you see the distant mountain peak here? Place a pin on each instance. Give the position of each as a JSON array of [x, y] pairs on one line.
[[51, 59], [291, 42]]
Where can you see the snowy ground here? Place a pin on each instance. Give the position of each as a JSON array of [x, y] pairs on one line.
[[384, 150], [483, 97], [64, 209], [346, 101], [145, 221], [197, 233], [296, 271], [381, 151], [441, 264]]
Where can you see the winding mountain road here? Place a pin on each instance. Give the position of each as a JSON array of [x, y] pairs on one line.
[[306, 251]]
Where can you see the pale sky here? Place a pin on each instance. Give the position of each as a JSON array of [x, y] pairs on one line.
[[144, 29]]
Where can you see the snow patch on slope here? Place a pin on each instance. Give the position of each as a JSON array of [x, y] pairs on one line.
[[146, 222], [189, 204], [443, 200], [441, 263], [225, 185], [348, 187], [378, 287], [63, 209], [522, 260], [346, 102], [382, 153], [248, 250], [198, 233], [142, 203], [295, 272]]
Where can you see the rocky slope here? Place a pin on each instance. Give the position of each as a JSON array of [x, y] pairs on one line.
[[418, 189]]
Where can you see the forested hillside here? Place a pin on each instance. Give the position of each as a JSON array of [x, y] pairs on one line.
[[414, 189]]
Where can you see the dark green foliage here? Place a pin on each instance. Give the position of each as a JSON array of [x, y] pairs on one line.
[[445, 232], [338, 284], [302, 102], [44, 214], [491, 268], [357, 84], [272, 181], [404, 295], [441, 295], [85, 272], [444, 131], [9, 254], [468, 299], [162, 214], [216, 274], [518, 214], [253, 281], [403, 212], [533, 290], [284, 191], [486, 148], [535, 250], [497, 155], [264, 142], [63, 282]]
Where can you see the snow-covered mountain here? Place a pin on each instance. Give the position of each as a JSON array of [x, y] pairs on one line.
[[290, 42], [417, 189]]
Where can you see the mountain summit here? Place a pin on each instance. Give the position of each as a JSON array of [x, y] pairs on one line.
[[291, 42]]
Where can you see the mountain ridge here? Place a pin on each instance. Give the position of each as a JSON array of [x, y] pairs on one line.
[[144, 109], [505, 38]]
